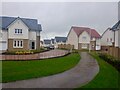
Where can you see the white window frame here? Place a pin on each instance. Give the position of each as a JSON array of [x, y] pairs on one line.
[[18, 31], [18, 45]]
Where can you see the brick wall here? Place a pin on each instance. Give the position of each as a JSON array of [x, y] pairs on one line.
[[34, 56]]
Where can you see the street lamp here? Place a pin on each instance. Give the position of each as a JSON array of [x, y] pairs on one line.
[[90, 42]]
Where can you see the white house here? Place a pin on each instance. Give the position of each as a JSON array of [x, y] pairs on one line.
[[19, 33], [84, 38], [59, 40], [110, 36], [47, 43]]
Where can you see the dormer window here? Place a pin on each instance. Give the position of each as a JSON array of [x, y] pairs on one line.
[[18, 31]]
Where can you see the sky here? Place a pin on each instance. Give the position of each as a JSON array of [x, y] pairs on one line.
[[57, 18]]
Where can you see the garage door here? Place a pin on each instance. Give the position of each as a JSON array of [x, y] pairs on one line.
[[3, 45]]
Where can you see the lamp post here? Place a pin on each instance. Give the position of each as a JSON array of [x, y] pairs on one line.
[[90, 42]]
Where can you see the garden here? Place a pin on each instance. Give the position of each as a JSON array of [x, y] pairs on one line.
[[24, 52], [107, 77], [22, 70]]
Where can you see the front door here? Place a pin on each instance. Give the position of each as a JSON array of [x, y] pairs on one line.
[[33, 45]]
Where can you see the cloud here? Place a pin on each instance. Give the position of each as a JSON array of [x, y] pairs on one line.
[[57, 18]]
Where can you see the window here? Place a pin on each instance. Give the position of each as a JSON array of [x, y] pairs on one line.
[[18, 31], [17, 43], [84, 38], [21, 44]]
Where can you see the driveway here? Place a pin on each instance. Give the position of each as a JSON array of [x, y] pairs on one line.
[[80, 75]]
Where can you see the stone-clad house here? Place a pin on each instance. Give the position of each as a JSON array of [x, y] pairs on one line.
[[19, 33], [84, 38]]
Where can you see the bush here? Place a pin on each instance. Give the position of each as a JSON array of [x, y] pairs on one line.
[[110, 59], [23, 52]]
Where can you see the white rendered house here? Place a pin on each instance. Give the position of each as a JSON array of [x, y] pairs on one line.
[[84, 38], [19, 33]]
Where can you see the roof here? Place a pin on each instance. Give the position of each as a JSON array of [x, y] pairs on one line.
[[92, 32], [47, 41], [60, 39], [115, 27], [32, 24]]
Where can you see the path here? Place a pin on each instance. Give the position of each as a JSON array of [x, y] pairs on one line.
[[80, 75]]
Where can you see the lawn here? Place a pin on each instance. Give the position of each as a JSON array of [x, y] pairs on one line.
[[21, 70], [107, 76]]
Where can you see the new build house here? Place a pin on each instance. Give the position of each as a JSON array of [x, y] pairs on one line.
[[59, 41], [110, 36], [84, 38], [19, 33]]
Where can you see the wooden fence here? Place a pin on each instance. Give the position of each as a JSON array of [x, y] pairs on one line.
[[66, 46], [111, 50]]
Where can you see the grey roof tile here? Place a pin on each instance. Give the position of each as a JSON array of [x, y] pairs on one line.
[[32, 24], [60, 39]]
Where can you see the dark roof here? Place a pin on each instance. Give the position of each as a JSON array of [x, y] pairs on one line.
[[47, 41], [115, 27], [79, 30], [32, 24], [60, 39]]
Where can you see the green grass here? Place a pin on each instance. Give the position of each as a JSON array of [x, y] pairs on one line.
[[107, 76], [21, 70]]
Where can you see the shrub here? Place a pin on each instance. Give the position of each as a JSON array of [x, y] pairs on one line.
[[110, 59]]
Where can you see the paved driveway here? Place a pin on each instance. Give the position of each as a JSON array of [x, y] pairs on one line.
[[80, 75]]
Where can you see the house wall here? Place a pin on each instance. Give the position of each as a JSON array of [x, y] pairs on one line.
[[4, 35], [18, 24], [116, 38], [38, 42], [108, 34], [98, 44], [25, 45], [32, 35], [3, 40], [84, 42], [84, 34], [119, 38], [72, 39]]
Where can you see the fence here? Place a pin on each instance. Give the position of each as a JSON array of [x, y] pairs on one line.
[[111, 50], [66, 46], [44, 55]]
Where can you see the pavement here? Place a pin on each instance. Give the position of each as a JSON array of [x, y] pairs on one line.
[[81, 74]]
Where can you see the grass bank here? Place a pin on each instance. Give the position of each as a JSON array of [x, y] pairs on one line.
[[107, 76], [21, 70]]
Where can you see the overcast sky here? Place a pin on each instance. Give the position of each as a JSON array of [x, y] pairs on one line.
[[57, 18]]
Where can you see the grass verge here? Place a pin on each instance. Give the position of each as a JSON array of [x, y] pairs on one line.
[[107, 76], [21, 70]]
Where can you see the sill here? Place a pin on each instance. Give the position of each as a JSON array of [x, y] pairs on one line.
[[17, 47], [18, 34]]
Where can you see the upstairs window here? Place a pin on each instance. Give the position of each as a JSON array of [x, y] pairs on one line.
[[84, 38], [18, 31]]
